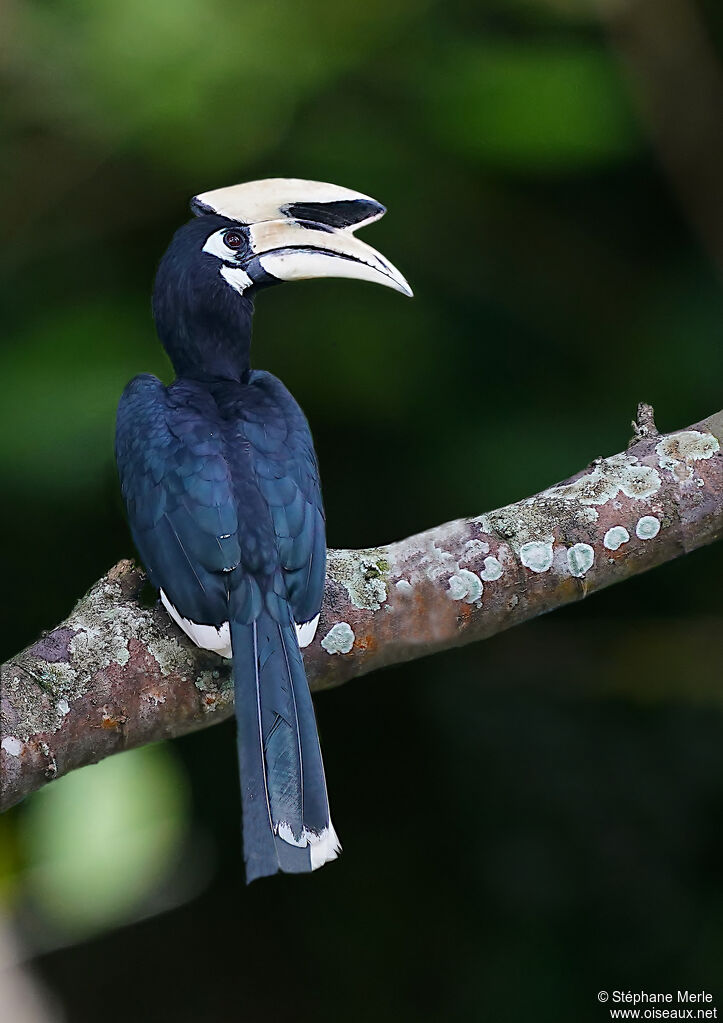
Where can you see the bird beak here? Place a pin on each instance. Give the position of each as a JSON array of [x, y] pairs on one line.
[[304, 229], [300, 250]]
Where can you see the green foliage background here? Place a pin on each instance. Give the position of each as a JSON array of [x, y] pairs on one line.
[[526, 821]]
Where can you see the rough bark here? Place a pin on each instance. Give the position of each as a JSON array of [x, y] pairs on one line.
[[117, 673]]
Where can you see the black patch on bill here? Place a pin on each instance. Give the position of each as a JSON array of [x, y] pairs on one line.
[[341, 213]]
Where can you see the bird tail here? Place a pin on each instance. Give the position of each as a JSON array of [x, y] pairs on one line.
[[286, 823]]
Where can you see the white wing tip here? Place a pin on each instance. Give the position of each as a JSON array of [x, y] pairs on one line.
[[218, 638], [323, 847], [208, 637], [305, 631]]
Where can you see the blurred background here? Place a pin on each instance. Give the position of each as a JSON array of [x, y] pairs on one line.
[[525, 821]]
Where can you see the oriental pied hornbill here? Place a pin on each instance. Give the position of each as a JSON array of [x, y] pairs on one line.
[[221, 484]]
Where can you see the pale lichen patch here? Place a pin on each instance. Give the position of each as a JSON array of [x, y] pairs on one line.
[[51, 770], [537, 555], [204, 681], [95, 638], [36, 690], [648, 527], [216, 694], [339, 639], [493, 569], [427, 561], [580, 559], [517, 523], [439, 563], [100, 635], [685, 447], [60, 679], [611, 476], [96, 649], [363, 574], [536, 520], [403, 586], [474, 549], [464, 585], [615, 537], [100, 626], [164, 651], [12, 745], [531, 526], [456, 588]]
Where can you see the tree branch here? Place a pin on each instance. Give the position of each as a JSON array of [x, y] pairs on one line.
[[117, 673]]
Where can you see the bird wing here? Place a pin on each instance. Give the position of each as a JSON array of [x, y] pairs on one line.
[[202, 502], [287, 475], [177, 488]]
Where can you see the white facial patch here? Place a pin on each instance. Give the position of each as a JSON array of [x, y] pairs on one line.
[[233, 275], [215, 246], [236, 277]]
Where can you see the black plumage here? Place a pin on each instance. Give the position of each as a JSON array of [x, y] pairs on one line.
[[221, 485]]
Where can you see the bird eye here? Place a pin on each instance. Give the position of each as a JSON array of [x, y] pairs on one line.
[[233, 239]]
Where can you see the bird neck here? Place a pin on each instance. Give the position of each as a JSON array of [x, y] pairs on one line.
[[205, 326]]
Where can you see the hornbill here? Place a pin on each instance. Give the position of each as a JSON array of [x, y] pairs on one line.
[[221, 485]]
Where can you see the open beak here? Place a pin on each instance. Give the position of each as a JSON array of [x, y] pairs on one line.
[[300, 250], [304, 229]]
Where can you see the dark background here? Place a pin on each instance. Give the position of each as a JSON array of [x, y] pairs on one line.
[[526, 821]]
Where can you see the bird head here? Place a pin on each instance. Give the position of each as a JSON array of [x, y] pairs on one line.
[[286, 229], [253, 235]]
